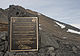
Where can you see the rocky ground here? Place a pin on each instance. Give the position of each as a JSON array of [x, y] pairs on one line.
[[55, 38]]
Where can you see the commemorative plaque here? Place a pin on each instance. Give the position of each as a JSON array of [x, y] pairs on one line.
[[24, 34]]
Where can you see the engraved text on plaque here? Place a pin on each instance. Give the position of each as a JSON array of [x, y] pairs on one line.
[[24, 34]]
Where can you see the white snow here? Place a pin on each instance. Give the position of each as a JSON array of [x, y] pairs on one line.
[[61, 25], [64, 37], [73, 31], [40, 27], [39, 24], [76, 25]]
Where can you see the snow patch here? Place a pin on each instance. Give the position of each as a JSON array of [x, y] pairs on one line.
[[76, 25], [64, 37], [61, 25], [39, 24], [40, 27], [73, 31]]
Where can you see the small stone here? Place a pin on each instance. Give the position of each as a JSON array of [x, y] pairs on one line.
[[6, 54], [74, 49], [42, 50], [10, 54], [32, 54], [3, 35], [52, 54], [1, 43], [51, 48], [2, 48], [41, 54], [6, 45], [1, 53]]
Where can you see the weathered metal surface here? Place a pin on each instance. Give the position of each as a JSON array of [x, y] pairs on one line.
[[24, 34]]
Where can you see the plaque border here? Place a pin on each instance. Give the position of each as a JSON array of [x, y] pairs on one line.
[[37, 28]]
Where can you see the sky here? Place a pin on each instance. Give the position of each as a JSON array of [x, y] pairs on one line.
[[67, 11]]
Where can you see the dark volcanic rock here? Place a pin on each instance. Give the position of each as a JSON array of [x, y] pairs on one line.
[[48, 40], [54, 40]]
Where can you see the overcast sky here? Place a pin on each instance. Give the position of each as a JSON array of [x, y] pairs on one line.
[[67, 11]]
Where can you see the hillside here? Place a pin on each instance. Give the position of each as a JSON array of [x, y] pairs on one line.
[[55, 38]]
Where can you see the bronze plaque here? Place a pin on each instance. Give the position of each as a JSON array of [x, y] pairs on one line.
[[24, 34]]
